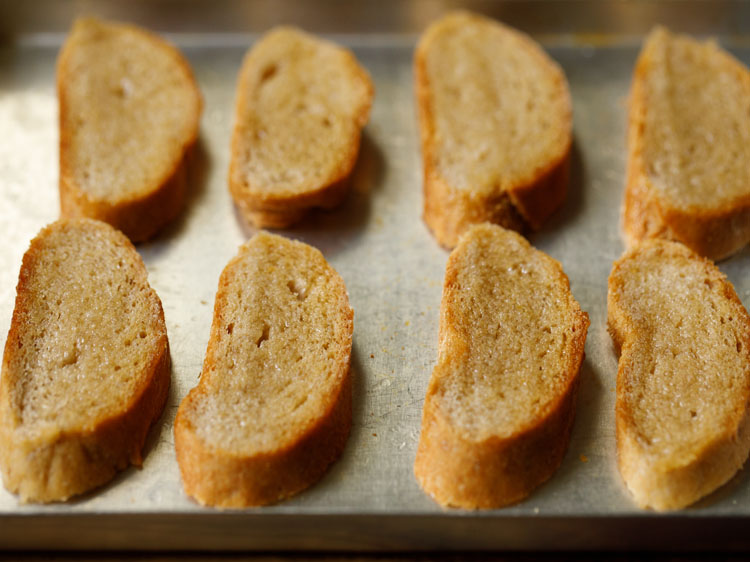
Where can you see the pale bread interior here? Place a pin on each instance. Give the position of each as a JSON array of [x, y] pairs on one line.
[[278, 347], [90, 325], [305, 102], [696, 130], [500, 107], [505, 347], [131, 109]]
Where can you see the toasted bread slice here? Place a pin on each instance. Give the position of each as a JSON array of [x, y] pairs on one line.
[[301, 105], [688, 172], [495, 120], [86, 365], [500, 404], [273, 406], [129, 111], [683, 382]]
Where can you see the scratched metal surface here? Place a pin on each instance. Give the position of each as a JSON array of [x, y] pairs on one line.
[[393, 270]]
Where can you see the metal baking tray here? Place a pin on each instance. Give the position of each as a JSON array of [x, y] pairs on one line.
[[369, 499]]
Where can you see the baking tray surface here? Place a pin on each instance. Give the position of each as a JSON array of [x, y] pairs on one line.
[[393, 270]]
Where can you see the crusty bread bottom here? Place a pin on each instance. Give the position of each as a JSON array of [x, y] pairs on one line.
[[450, 212], [716, 236], [288, 213], [504, 471], [241, 481], [139, 219], [76, 462], [683, 484]]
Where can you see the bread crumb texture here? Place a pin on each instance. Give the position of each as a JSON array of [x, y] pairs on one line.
[[689, 145], [495, 116], [683, 381], [301, 105], [273, 406], [129, 111], [86, 362], [500, 403]]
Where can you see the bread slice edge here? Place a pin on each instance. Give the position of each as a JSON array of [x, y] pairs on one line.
[[498, 471], [666, 485], [56, 465], [449, 211], [142, 216]]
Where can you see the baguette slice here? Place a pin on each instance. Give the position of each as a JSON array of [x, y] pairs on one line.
[[495, 120], [274, 404], [688, 173], [129, 111], [683, 382], [500, 404], [301, 105], [86, 366]]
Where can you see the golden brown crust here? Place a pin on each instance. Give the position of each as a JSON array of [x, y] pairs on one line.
[[683, 485], [496, 472], [450, 211], [274, 208], [141, 216], [714, 232], [459, 471], [673, 481], [217, 474], [56, 464], [286, 211]]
